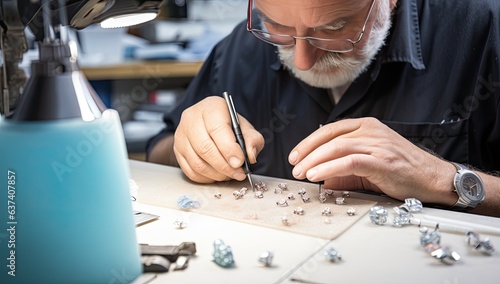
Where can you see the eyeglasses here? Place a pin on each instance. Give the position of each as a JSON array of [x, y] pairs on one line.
[[332, 45]]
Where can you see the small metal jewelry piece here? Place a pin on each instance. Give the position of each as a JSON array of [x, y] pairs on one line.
[[327, 221], [266, 258], [403, 216], [298, 211], [329, 191], [378, 215], [278, 190], [351, 211], [284, 221], [186, 203], [260, 185], [339, 200], [258, 194], [346, 194], [322, 197], [302, 191], [179, 224], [217, 195], [306, 198], [282, 203], [223, 254], [291, 196], [428, 237], [282, 186], [413, 204], [485, 246], [243, 190], [326, 211], [446, 255], [332, 255], [237, 194]]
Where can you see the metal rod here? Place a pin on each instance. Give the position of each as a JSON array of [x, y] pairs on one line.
[[47, 25], [5, 86]]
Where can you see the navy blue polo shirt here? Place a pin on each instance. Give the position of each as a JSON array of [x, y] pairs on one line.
[[436, 82]]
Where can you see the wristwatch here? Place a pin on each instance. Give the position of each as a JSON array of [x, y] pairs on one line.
[[469, 187]]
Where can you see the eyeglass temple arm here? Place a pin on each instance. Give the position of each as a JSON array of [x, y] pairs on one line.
[[249, 15]]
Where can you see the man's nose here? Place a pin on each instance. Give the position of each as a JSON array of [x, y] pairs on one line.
[[305, 55]]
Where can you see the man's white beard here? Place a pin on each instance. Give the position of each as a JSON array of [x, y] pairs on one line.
[[335, 69]]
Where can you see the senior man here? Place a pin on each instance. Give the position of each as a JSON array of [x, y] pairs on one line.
[[407, 91]]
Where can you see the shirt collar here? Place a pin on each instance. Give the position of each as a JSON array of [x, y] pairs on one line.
[[403, 44]]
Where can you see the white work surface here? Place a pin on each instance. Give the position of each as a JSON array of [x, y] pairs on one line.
[[370, 253]]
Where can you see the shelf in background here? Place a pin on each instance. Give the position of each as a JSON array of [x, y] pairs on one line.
[[142, 69]]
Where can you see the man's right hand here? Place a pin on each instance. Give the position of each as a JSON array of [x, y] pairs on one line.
[[205, 145]]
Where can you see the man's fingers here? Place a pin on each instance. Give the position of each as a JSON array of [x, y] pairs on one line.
[[321, 136], [254, 141], [195, 168]]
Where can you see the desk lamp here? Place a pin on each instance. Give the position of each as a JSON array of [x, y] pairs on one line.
[[65, 205]]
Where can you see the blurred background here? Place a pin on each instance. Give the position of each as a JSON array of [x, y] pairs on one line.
[[142, 71]]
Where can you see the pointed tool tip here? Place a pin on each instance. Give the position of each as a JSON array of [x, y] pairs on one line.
[[250, 180]]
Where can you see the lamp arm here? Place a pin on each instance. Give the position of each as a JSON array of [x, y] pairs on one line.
[[16, 15], [13, 45]]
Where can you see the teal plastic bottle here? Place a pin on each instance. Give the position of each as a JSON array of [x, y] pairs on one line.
[[65, 207]]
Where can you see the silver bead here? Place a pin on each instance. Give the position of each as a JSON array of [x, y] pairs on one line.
[[284, 221], [302, 191], [258, 194], [298, 211], [322, 197], [237, 194], [413, 204], [266, 258], [282, 203], [283, 186], [326, 211], [351, 211], [243, 190], [378, 215], [332, 255], [446, 255], [179, 224]]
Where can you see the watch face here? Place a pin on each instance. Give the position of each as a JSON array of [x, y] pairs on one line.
[[471, 187]]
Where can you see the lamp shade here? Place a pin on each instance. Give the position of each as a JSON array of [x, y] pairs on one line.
[[66, 213]]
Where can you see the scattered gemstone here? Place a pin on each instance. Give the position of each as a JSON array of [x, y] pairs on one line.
[[378, 215], [326, 211], [237, 194], [351, 211], [258, 194], [413, 204], [340, 200], [223, 254], [186, 203], [332, 255], [266, 258], [298, 211], [282, 203]]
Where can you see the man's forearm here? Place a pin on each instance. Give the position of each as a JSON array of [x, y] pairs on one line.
[[163, 152]]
